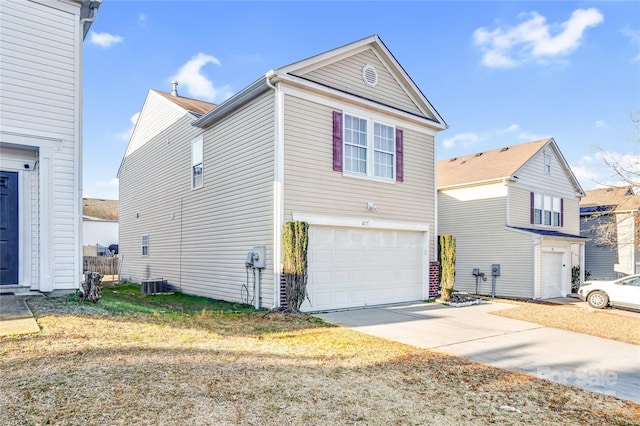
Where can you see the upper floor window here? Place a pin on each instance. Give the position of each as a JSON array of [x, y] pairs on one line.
[[546, 210], [145, 245], [197, 164], [547, 163], [367, 147]]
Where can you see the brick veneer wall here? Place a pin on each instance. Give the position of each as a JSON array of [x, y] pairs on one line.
[[434, 279]]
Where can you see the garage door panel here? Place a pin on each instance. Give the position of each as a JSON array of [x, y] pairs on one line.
[[350, 267]]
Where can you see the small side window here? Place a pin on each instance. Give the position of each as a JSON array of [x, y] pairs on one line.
[[145, 245], [197, 164], [547, 163]]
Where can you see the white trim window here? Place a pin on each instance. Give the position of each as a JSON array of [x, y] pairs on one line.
[[144, 244], [197, 163], [547, 210], [369, 148]]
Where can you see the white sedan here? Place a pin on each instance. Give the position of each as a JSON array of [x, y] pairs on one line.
[[623, 292]]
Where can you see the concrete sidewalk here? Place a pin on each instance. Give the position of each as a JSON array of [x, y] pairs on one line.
[[575, 359], [16, 317]]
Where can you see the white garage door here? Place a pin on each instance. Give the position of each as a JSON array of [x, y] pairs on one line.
[[351, 267], [552, 273]]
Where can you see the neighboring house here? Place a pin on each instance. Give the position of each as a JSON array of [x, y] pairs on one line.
[[41, 142], [99, 223], [611, 221], [343, 140], [516, 207]]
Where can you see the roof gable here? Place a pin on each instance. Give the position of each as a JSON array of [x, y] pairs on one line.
[[159, 112], [343, 69], [617, 197], [498, 164]]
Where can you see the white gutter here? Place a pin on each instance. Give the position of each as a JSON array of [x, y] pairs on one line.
[[242, 97], [85, 23]]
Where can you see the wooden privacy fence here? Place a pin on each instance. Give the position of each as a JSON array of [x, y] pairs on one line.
[[103, 264]]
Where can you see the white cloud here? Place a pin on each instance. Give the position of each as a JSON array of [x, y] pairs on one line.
[[104, 39], [510, 129], [600, 123], [634, 36], [532, 39], [464, 139], [191, 77], [530, 136], [142, 17], [126, 135]]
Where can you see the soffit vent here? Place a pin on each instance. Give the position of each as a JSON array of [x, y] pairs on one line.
[[370, 75]]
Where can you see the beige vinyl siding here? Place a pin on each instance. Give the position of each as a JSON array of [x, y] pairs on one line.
[[312, 187], [198, 239], [39, 86], [164, 114], [532, 178], [346, 75], [478, 224], [520, 210]]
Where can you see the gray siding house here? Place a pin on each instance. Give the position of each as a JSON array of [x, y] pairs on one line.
[[516, 207], [343, 140], [613, 212], [41, 143]]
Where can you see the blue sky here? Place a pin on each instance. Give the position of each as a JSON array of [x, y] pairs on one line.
[[500, 73]]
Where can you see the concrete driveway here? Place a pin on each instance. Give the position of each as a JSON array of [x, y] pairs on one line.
[[575, 359]]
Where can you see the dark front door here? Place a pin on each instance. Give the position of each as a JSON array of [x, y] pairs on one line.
[[8, 228]]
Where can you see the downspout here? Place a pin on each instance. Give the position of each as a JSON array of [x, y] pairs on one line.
[[506, 219], [278, 179], [94, 5], [537, 241]]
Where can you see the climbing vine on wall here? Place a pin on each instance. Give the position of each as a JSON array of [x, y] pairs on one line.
[[295, 241], [447, 258]]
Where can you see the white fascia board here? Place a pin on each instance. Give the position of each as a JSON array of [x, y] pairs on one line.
[[334, 99], [477, 183], [364, 222]]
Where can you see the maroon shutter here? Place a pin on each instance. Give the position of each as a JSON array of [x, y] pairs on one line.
[[337, 141], [532, 213], [561, 212], [399, 156]]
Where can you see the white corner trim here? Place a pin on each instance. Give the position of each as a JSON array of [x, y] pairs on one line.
[[364, 222]]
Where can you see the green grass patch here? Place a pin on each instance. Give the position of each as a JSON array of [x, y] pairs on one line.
[[128, 297]]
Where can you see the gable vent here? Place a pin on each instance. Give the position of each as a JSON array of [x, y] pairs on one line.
[[370, 75]]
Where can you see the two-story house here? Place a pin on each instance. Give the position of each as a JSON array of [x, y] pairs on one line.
[[344, 141], [514, 213], [41, 143]]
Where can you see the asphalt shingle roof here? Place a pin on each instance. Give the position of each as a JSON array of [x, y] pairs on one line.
[[192, 105], [486, 166]]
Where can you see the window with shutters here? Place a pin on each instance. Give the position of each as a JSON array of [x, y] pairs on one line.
[[366, 147], [546, 210]]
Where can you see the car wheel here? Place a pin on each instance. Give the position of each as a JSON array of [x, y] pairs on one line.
[[598, 300]]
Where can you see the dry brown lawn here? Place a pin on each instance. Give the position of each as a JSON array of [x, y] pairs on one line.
[[262, 369], [623, 327]]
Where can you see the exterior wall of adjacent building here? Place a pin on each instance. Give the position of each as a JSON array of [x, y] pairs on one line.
[[482, 218], [40, 136], [476, 217], [198, 238]]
